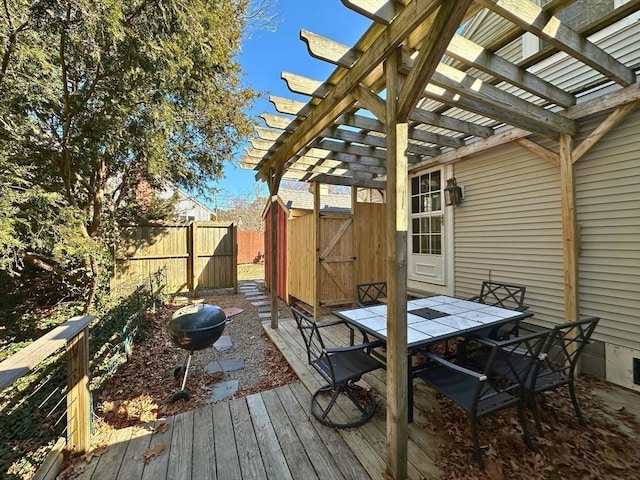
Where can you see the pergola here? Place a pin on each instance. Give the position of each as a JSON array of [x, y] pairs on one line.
[[414, 92]]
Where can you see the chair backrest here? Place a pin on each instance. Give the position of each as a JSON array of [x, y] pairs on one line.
[[310, 334], [514, 359], [371, 293], [564, 346], [503, 295]]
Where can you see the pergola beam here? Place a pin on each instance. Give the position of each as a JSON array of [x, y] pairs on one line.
[[532, 18], [340, 99]]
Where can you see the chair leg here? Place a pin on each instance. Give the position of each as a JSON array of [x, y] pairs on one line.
[[574, 400], [476, 443], [321, 414], [533, 405], [523, 422]]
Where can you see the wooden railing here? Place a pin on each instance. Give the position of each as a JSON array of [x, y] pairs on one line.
[[74, 335]]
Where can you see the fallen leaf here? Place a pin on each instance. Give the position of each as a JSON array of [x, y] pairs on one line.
[[160, 428], [153, 452]]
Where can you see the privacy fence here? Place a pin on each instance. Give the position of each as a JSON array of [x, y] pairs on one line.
[[196, 256]]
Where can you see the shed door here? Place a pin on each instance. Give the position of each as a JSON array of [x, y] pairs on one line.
[[336, 258], [426, 242]]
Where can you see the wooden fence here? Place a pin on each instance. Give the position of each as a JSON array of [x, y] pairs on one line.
[[196, 256]]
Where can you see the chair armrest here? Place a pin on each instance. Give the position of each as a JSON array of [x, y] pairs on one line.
[[456, 368], [359, 346], [340, 322]]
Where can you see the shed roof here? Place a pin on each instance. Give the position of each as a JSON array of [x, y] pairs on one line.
[[303, 200]]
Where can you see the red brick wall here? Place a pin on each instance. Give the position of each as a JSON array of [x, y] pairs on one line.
[[250, 247]]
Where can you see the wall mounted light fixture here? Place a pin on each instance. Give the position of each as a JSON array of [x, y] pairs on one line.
[[453, 194]]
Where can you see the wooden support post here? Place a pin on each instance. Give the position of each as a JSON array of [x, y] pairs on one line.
[[78, 398], [273, 280], [317, 269], [234, 248], [396, 233], [569, 229], [193, 257]]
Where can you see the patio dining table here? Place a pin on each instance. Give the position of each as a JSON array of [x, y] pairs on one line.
[[431, 320]]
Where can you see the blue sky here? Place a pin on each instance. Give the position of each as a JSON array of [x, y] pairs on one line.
[[266, 54]]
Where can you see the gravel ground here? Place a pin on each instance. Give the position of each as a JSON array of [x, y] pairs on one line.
[[247, 337], [141, 390]]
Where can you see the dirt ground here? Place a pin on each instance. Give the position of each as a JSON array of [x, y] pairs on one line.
[[251, 271]]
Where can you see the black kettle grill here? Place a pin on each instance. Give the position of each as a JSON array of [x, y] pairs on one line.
[[192, 328]]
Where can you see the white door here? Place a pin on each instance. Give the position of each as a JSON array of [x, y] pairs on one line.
[[426, 242]]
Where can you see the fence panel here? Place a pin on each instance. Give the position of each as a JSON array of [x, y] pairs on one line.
[[195, 256]]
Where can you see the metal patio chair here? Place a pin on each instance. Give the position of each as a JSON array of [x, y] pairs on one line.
[[504, 295], [371, 293], [483, 393], [557, 365], [341, 368]]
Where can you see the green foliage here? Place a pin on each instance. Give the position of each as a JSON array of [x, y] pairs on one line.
[[94, 96], [32, 410]]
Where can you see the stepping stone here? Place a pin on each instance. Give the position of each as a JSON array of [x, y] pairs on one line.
[[222, 390], [231, 311], [264, 308], [260, 303], [264, 314], [227, 365], [223, 343]]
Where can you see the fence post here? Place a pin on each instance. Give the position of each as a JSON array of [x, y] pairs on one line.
[[78, 398], [234, 256]]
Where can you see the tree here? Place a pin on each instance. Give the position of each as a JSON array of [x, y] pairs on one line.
[[94, 95]]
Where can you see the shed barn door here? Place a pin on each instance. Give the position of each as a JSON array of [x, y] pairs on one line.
[[336, 258]]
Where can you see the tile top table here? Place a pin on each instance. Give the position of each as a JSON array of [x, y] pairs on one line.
[[432, 319]]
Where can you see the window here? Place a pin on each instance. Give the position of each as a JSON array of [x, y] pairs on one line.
[[426, 213]]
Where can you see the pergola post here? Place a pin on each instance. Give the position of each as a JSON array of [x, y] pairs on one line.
[[569, 228], [274, 184], [396, 255]]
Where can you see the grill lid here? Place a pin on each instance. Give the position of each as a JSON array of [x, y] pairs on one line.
[[194, 318]]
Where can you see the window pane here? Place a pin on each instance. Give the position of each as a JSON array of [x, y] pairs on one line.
[[416, 243], [424, 225], [415, 185], [436, 244], [424, 244], [436, 224], [415, 225], [435, 181], [415, 204]]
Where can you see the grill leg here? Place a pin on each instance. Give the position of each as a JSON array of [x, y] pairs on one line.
[[186, 370], [215, 352]]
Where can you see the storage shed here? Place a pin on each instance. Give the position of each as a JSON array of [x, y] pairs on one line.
[[335, 229]]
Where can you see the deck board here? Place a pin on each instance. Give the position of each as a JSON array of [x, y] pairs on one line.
[[272, 455], [298, 461], [181, 449], [227, 463], [246, 442], [204, 453]]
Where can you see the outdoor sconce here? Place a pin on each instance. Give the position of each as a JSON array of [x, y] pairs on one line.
[[453, 193]]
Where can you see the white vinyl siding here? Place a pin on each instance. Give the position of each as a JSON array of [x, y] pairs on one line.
[[608, 216], [510, 227]]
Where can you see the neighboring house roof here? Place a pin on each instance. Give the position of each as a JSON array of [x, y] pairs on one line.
[[187, 205], [301, 200]]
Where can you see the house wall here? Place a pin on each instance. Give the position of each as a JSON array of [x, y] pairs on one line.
[[510, 228]]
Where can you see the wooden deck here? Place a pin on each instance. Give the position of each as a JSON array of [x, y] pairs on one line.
[[261, 436], [267, 435], [272, 435]]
